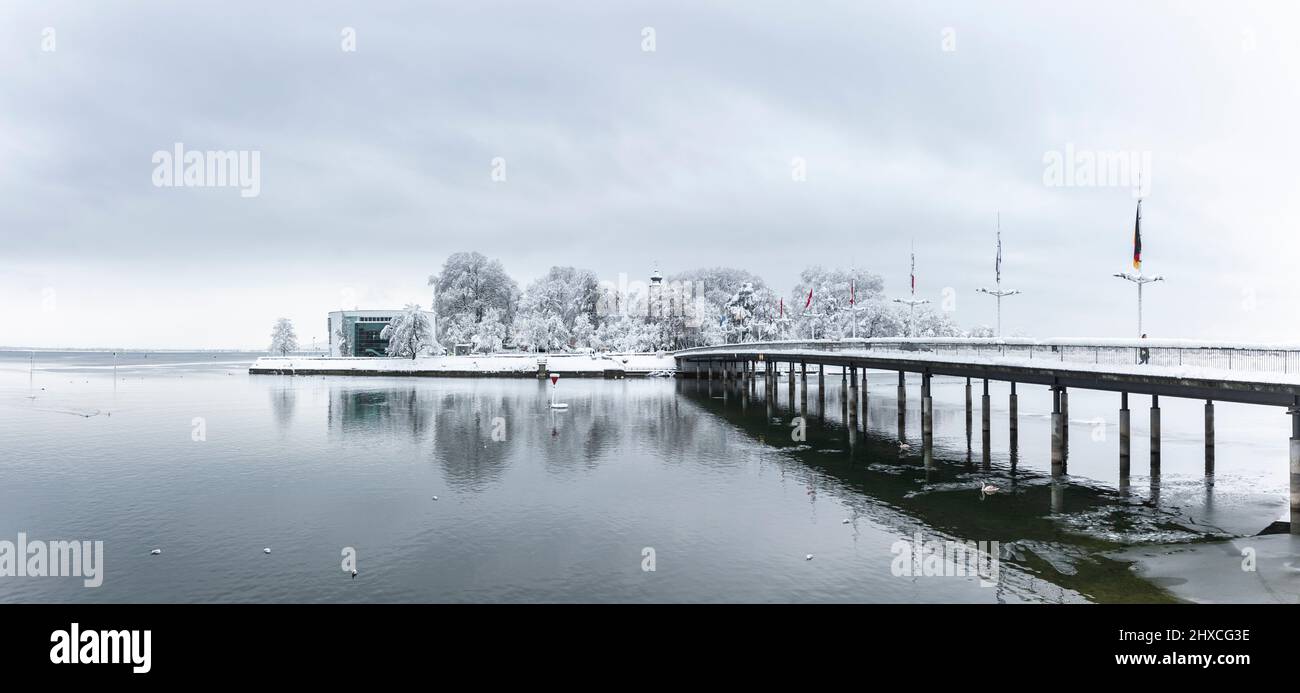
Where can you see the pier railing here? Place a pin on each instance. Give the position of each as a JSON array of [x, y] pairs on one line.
[[1259, 358]]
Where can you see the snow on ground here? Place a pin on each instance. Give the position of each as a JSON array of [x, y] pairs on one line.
[[648, 364]]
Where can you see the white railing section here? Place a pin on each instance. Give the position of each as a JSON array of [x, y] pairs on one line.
[[1259, 358]]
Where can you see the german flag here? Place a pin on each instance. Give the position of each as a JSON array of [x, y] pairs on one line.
[[1137, 239]]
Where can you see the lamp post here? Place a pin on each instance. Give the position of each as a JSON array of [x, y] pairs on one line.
[[809, 314], [998, 293], [913, 302], [1140, 280]]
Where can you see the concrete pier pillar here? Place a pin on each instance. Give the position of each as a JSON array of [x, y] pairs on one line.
[[1294, 411], [803, 396], [902, 390], [790, 379], [986, 428], [1209, 436], [1123, 441], [968, 419], [1155, 435], [1058, 455]]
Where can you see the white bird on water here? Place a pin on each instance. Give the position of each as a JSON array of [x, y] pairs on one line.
[[987, 489], [266, 550], [155, 552], [435, 498], [904, 446], [809, 557]]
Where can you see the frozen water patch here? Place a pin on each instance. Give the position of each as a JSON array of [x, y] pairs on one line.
[[1137, 524]]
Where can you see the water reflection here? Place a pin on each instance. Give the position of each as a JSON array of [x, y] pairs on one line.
[[1069, 521]]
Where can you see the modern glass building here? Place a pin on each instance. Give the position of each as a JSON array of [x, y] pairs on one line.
[[356, 332]]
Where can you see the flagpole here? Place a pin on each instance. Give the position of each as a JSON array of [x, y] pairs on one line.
[[1138, 278], [998, 293], [913, 301]]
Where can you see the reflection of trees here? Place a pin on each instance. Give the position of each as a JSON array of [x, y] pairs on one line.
[[387, 412], [465, 450], [283, 402], [607, 422]]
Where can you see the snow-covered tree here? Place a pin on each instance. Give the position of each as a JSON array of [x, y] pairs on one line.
[[540, 332], [570, 296], [983, 331], [751, 315], [283, 338], [490, 334], [409, 333], [698, 304], [877, 318], [468, 285], [343, 335], [582, 331], [830, 308], [934, 323]]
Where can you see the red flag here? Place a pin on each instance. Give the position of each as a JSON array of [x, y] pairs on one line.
[[782, 306], [850, 292], [807, 304]]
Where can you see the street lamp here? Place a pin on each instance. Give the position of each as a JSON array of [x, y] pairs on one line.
[[808, 314], [1140, 280], [913, 302], [998, 293]]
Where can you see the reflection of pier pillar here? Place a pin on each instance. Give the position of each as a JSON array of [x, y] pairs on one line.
[[1058, 455], [986, 426], [865, 402], [1155, 435], [1058, 496], [821, 389], [1209, 436], [853, 410], [1294, 411], [1065, 429], [769, 400], [1123, 441], [1013, 403], [927, 422], [902, 407]]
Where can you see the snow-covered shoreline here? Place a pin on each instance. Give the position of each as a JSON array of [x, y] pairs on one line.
[[499, 365]]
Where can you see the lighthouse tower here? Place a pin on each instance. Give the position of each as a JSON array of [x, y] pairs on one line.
[[654, 298]]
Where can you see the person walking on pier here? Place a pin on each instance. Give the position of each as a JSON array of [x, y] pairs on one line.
[[1144, 354]]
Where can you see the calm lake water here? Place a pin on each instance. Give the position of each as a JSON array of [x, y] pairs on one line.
[[190, 454]]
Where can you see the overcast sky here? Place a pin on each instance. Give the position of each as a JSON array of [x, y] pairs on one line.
[[918, 121]]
